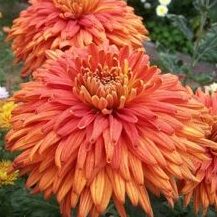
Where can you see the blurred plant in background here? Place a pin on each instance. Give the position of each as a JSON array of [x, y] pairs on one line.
[[8, 10], [188, 27]]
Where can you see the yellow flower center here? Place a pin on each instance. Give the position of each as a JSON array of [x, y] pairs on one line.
[[76, 8], [106, 88], [3, 175]]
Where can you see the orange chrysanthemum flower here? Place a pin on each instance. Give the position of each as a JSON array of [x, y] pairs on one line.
[[60, 24], [100, 124], [204, 193]]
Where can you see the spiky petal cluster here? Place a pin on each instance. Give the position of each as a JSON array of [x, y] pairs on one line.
[[204, 192], [60, 24], [6, 108], [7, 178], [102, 125]]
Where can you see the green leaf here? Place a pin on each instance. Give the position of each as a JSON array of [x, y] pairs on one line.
[[204, 78], [207, 46], [204, 5], [181, 23]]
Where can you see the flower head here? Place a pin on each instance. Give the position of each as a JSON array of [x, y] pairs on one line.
[[3, 93], [204, 192], [165, 2], [6, 108], [161, 10], [60, 24], [7, 177], [211, 88], [101, 124]]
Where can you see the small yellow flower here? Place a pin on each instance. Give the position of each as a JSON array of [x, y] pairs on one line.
[[6, 108], [7, 178], [161, 10]]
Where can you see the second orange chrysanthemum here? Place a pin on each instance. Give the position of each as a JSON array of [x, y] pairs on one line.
[[60, 24], [204, 192]]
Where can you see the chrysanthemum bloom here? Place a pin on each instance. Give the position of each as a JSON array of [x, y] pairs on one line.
[[204, 193], [103, 125], [60, 24], [6, 108], [7, 177]]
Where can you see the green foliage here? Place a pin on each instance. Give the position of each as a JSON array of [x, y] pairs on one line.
[[5, 56], [202, 40], [16, 201], [180, 22], [207, 45], [161, 29], [170, 63], [9, 71], [169, 37], [181, 29]]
